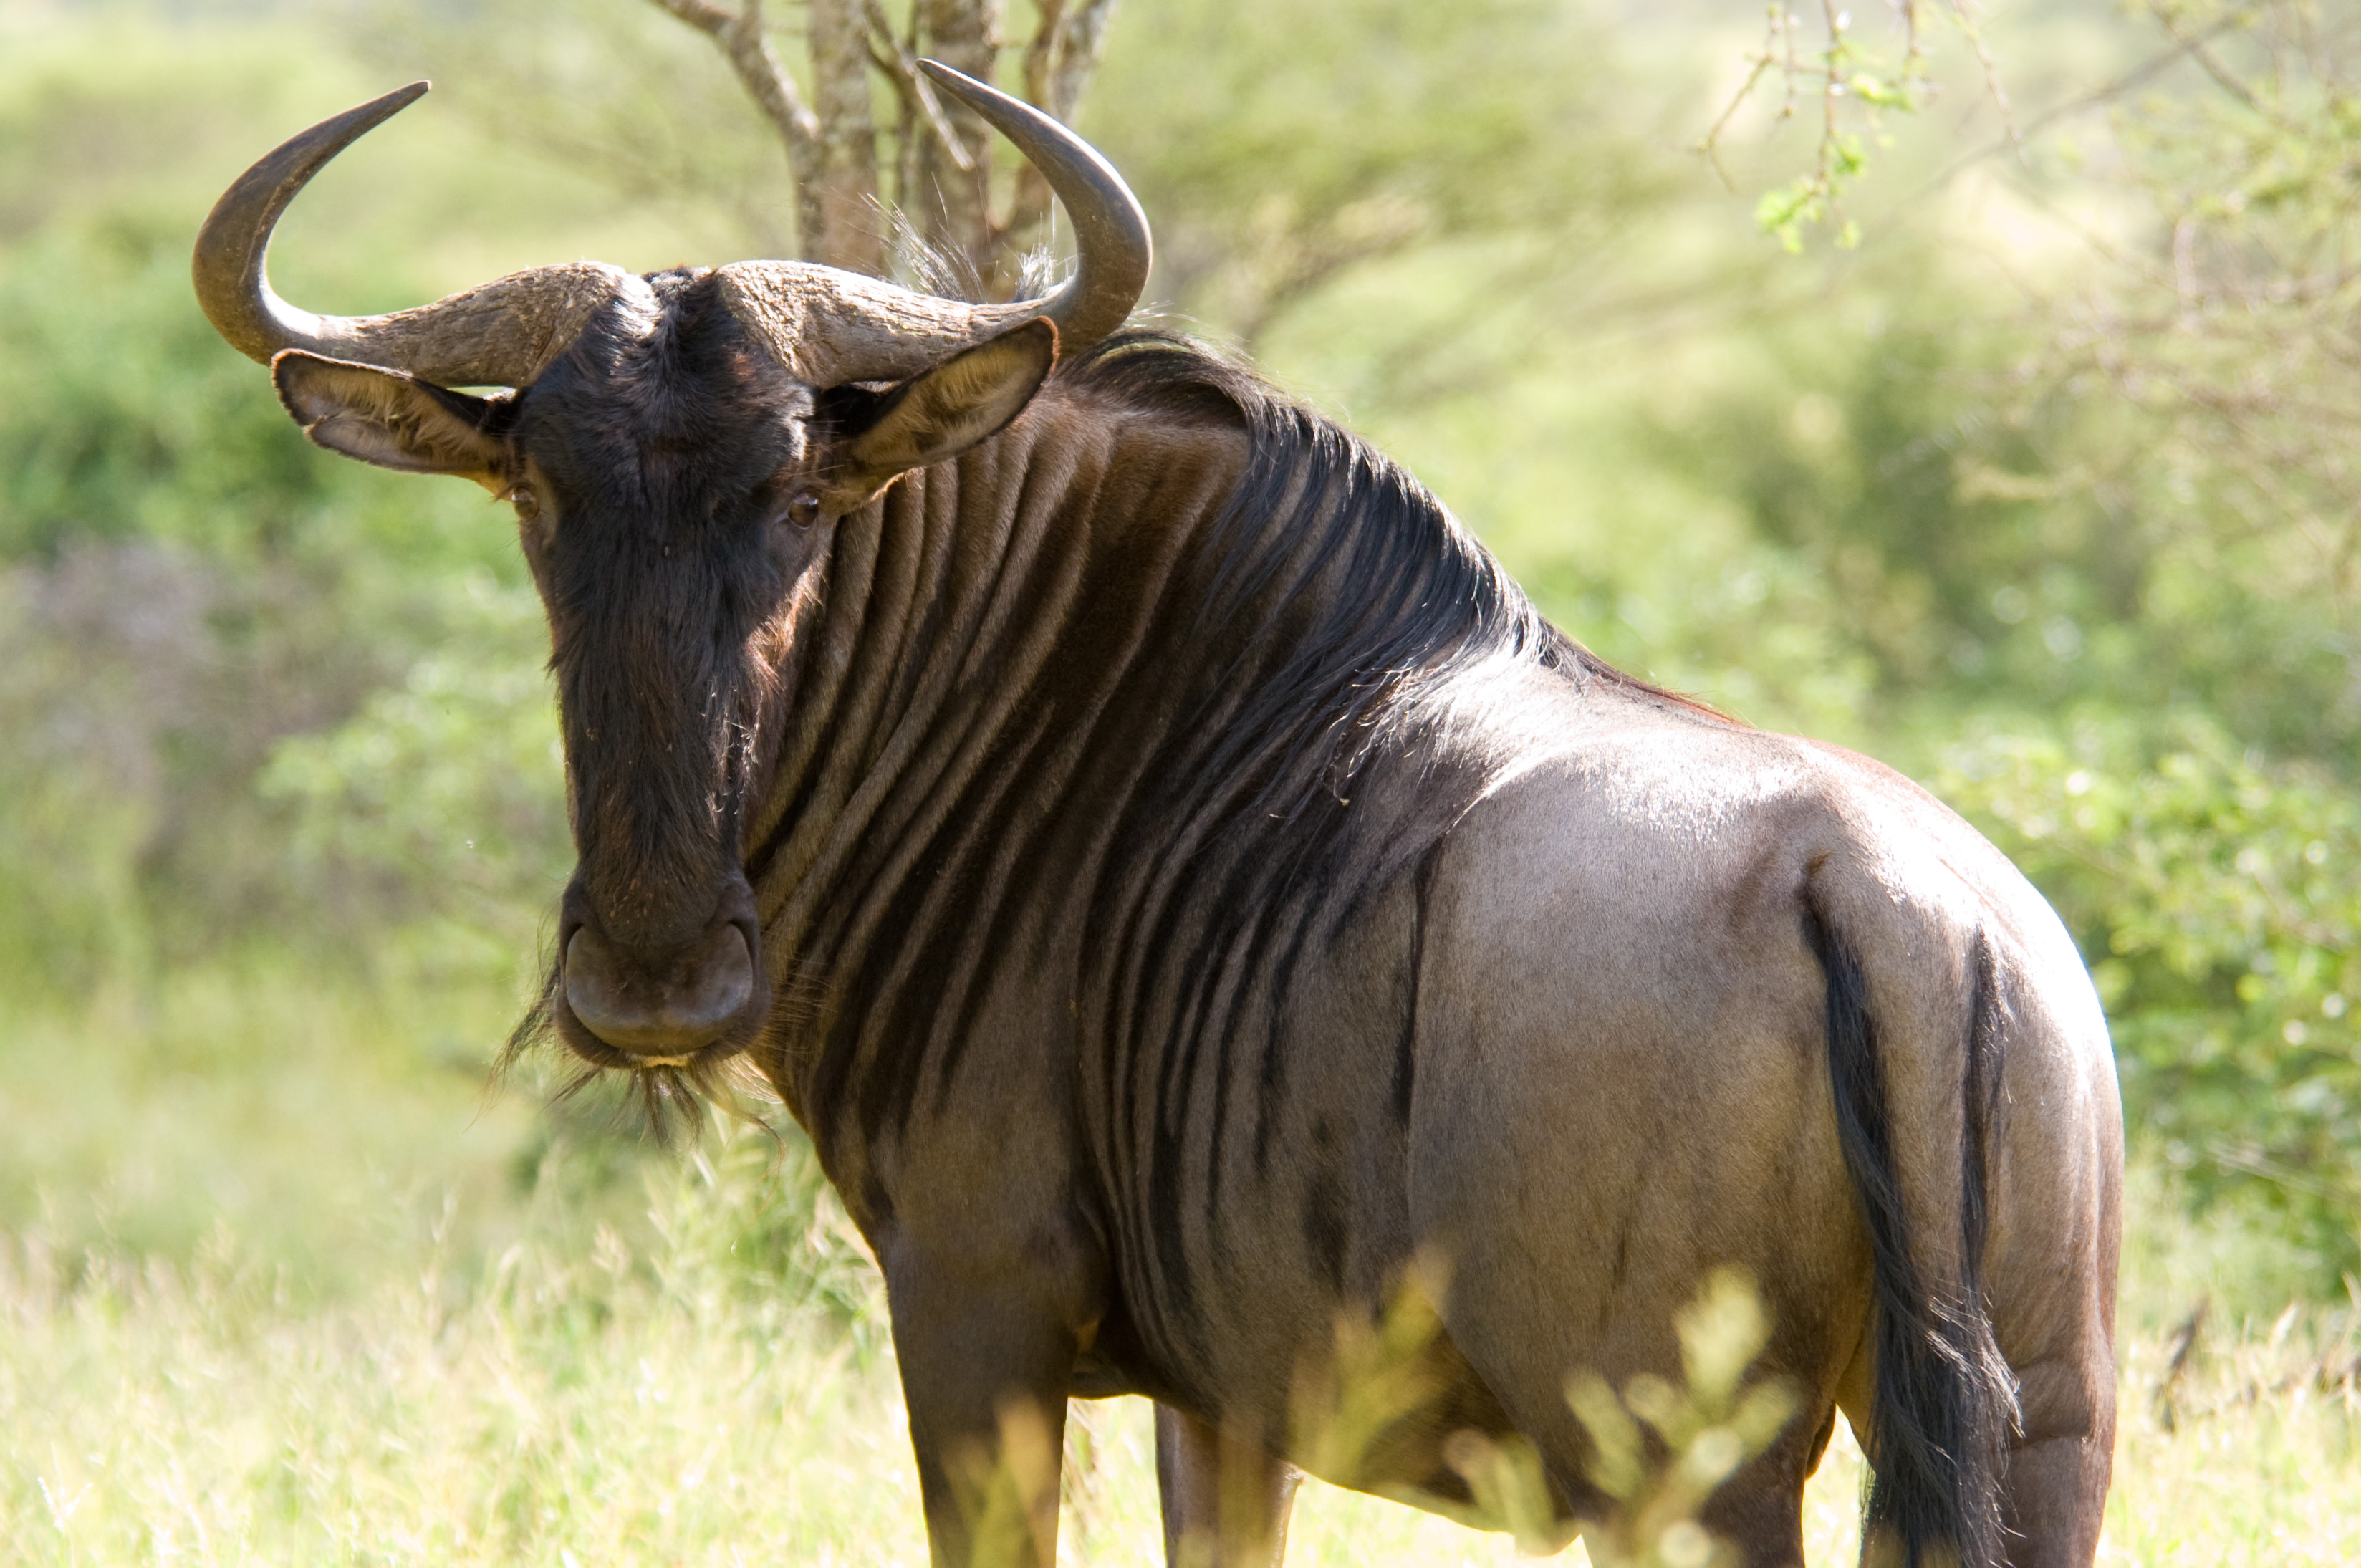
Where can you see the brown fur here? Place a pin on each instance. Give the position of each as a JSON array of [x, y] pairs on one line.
[[1217, 909]]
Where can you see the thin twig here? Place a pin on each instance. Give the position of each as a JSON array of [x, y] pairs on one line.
[[1792, 66], [2223, 77], [1993, 85], [901, 67], [1833, 62], [2139, 75], [1041, 54], [1710, 147], [741, 39]]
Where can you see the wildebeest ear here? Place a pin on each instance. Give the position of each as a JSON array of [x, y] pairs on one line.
[[389, 419], [942, 411]]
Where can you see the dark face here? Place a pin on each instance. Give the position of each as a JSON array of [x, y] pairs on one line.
[[667, 488], [676, 491]]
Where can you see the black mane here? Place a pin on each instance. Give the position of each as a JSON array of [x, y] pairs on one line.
[[1325, 753], [1316, 494], [1343, 594]]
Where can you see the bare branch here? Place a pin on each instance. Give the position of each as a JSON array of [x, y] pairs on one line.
[[939, 152], [2199, 50], [1710, 147], [1992, 87], [1058, 64], [900, 68], [705, 18], [1825, 178], [774, 91], [2138, 76], [1042, 52], [1065, 52]]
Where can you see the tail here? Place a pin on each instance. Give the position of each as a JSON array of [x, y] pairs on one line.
[[1945, 1400]]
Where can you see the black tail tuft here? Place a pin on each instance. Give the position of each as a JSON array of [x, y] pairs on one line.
[[1945, 1400]]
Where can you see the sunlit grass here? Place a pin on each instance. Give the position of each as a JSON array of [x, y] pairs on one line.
[[627, 1408], [551, 1414], [2250, 1457], [317, 1115], [325, 1309]]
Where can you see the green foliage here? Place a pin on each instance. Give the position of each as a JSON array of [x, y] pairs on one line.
[[1271, 172], [186, 586], [2210, 396], [190, 586], [279, 810], [122, 414], [1706, 1429], [2220, 899], [439, 798], [1853, 87]]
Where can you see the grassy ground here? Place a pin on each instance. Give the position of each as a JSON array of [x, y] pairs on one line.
[[278, 1286]]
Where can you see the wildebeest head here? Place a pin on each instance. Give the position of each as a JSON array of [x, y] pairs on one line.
[[679, 448]]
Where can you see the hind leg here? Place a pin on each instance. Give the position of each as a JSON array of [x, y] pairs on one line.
[[1759, 1511], [2053, 1312], [2054, 1493], [1756, 1514], [2054, 1489], [2055, 1500]]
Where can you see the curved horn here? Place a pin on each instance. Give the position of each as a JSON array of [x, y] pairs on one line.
[[1111, 238], [503, 333]]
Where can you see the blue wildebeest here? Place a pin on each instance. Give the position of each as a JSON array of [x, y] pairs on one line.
[[1193, 899]]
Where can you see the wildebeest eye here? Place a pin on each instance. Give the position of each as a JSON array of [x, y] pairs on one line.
[[803, 510]]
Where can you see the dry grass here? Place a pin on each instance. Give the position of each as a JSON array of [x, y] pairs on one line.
[[687, 1368], [626, 1406]]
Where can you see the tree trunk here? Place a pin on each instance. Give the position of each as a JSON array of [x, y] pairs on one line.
[[955, 204], [851, 219], [941, 153], [1058, 64]]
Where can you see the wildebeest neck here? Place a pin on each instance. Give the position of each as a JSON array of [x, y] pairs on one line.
[[1072, 700]]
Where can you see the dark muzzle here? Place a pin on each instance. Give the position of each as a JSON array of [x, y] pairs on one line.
[[660, 1006]]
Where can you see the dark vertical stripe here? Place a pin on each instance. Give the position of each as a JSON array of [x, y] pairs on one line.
[[1261, 767], [1406, 1045]]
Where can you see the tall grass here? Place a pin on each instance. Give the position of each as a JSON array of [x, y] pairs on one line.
[[315, 1115], [606, 1403], [329, 1307]]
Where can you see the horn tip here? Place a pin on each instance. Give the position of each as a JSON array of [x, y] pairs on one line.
[[358, 121]]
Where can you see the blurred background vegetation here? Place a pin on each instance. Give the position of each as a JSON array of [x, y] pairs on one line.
[[2042, 492]]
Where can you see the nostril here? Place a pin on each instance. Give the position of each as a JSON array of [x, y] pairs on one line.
[[724, 971], [665, 1008]]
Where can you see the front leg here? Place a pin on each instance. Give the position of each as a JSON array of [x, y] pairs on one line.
[[985, 1366], [1226, 1503]]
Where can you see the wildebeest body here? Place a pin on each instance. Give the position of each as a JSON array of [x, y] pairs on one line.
[[1211, 973], [1200, 909]]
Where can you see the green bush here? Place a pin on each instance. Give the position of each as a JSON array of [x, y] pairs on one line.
[[2089, 574], [2218, 897]]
